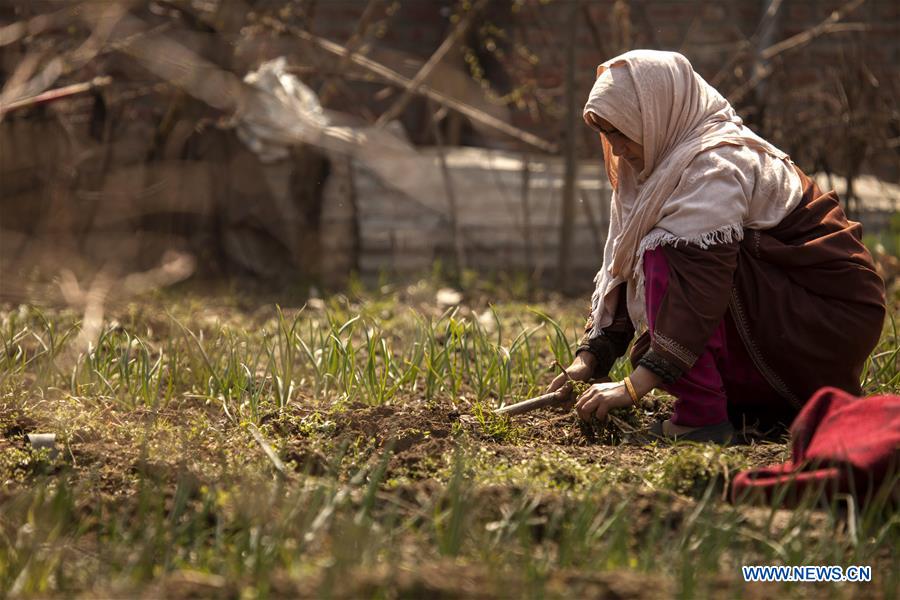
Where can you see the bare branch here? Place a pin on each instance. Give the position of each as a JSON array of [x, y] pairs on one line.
[[56, 94], [805, 37], [413, 86], [829, 25], [396, 78]]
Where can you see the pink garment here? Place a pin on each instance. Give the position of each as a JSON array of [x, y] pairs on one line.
[[723, 382]]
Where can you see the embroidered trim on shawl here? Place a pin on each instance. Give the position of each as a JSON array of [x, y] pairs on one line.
[[687, 357], [740, 320], [656, 363]]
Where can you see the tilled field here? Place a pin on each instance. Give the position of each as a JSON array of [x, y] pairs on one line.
[[235, 449]]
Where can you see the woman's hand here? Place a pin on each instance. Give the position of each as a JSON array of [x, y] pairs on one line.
[[581, 369], [601, 398]]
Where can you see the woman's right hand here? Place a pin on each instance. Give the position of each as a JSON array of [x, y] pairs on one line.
[[581, 369]]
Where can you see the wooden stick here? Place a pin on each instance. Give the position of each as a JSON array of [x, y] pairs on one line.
[[413, 86], [589, 213], [396, 78], [552, 399], [356, 40], [458, 248], [56, 94], [37, 25], [526, 220], [573, 116]]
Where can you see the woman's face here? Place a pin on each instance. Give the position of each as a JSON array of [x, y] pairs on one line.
[[622, 146]]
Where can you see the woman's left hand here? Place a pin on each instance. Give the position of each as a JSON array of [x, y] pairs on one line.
[[600, 398]]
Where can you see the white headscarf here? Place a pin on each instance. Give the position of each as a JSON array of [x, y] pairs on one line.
[[655, 98]]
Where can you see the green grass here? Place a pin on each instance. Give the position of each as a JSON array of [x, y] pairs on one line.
[[223, 447]]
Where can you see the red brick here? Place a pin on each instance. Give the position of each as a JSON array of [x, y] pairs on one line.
[[799, 12], [660, 12], [714, 12], [669, 35], [886, 11], [600, 11]]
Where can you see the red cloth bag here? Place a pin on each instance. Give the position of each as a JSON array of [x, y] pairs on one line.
[[839, 444]]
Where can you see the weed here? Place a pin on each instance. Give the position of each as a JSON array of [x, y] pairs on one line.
[[691, 468], [398, 478], [499, 428]]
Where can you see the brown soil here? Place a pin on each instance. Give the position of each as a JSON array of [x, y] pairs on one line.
[[113, 453], [416, 433]]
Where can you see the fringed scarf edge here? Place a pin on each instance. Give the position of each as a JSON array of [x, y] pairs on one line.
[[726, 234]]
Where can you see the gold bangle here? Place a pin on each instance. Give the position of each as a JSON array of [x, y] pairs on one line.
[[631, 391]]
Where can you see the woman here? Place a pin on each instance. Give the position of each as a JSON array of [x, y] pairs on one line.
[[755, 288]]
